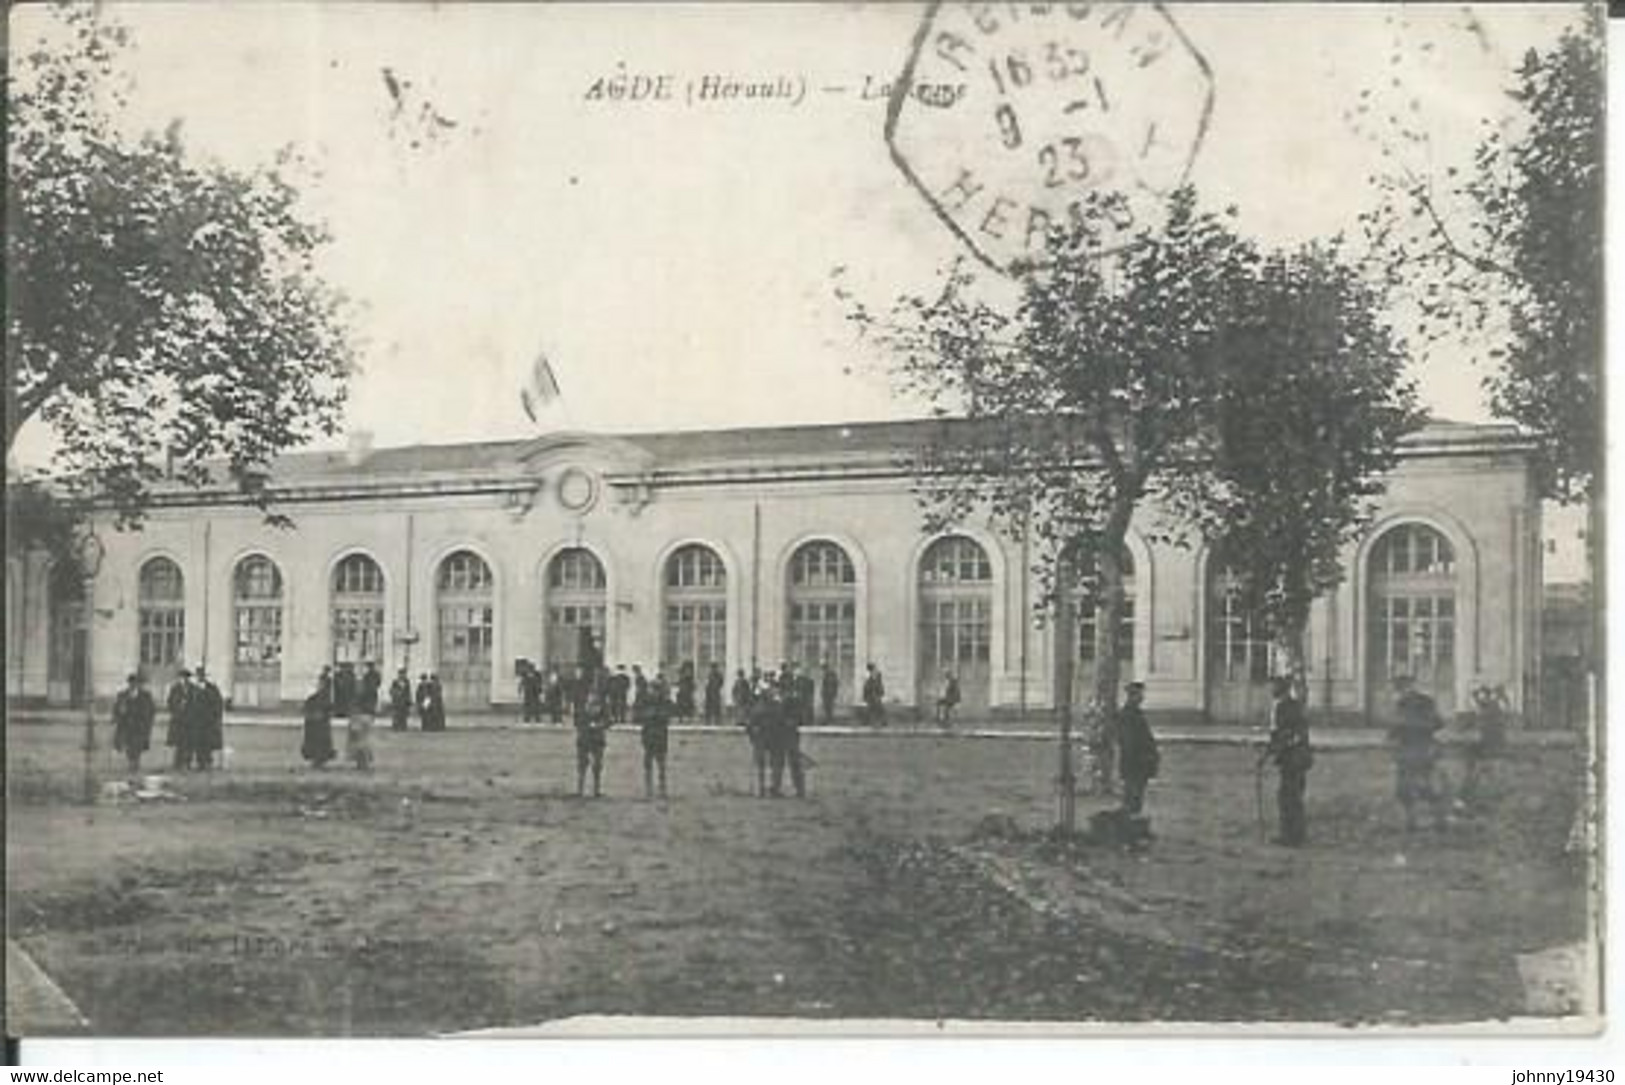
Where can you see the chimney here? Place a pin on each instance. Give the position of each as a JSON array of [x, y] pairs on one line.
[[360, 447]]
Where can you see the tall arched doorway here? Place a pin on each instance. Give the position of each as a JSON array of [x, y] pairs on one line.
[[821, 604], [1411, 603], [956, 622], [161, 597], [1237, 662], [256, 668], [356, 620], [466, 627], [695, 600], [576, 602]]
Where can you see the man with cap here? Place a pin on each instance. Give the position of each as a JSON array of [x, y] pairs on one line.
[[179, 703], [1137, 758], [133, 713], [1288, 747]]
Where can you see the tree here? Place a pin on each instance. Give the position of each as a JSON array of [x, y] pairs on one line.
[[1313, 411], [1097, 392], [1514, 246], [165, 314]]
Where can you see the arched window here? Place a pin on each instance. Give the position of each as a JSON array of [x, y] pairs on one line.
[[467, 622], [1238, 651], [696, 606], [575, 605], [821, 600], [357, 612], [1412, 607], [161, 597], [256, 676], [1084, 587], [1089, 617], [956, 621], [1412, 616]]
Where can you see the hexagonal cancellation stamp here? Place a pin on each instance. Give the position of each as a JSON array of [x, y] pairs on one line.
[[1060, 100]]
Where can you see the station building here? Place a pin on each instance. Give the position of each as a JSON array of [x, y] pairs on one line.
[[753, 546]]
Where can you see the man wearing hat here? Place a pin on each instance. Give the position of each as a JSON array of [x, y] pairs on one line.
[[133, 714], [208, 712], [1137, 756], [1288, 747], [179, 703]]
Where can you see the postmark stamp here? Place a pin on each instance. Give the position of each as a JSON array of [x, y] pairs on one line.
[[1059, 100]]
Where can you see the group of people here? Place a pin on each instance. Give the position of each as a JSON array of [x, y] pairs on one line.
[[558, 690], [360, 706], [1413, 738], [197, 717], [361, 709], [603, 699]]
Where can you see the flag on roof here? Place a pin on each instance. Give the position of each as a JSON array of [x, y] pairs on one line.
[[542, 389]]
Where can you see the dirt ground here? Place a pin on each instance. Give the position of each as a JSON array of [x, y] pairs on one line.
[[463, 886]]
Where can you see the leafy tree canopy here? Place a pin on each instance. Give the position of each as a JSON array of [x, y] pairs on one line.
[[165, 314], [1513, 247], [1315, 405]]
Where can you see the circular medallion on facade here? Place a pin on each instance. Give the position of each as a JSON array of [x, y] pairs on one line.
[[577, 490]]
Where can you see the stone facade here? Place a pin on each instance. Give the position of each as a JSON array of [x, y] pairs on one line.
[[755, 500]]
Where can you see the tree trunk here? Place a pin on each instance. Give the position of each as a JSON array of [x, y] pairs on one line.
[[1108, 618], [1289, 644]]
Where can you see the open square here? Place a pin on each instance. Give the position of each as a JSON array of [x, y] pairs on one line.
[[463, 886]]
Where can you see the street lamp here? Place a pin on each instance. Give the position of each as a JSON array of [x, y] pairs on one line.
[[90, 551]]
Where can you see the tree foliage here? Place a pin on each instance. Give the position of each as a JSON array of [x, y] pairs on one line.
[[1513, 246], [166, 315], [1315, 405], [1097, 391], [1255, 399]]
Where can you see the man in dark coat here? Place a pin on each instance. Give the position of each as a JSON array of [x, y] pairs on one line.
[[436, 718], [620, 694], [829, 688], [1288, 747], [806, 698], [654, 728], [530, 691], [1137, 758], [421, 698], [592, 727], [179, 703], [318, 713], [684, 708], [400, 701], [209, 721], [1416, 752], [553, 694], [741, 695], [784, 741], [133, 714], [713, 695], [874, 697]]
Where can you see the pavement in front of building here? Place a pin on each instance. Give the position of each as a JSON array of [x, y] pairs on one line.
[[1035, 728]]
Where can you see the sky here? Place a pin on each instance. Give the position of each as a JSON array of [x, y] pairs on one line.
[[673, 259]]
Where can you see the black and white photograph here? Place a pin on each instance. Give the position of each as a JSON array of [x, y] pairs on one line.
[[773, 519]]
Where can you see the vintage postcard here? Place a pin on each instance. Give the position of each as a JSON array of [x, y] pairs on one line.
[[768, 518]]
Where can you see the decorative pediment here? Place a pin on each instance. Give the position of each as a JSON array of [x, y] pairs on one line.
[[607, 455]]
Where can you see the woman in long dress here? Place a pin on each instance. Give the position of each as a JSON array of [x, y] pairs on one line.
[[318, 747]]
